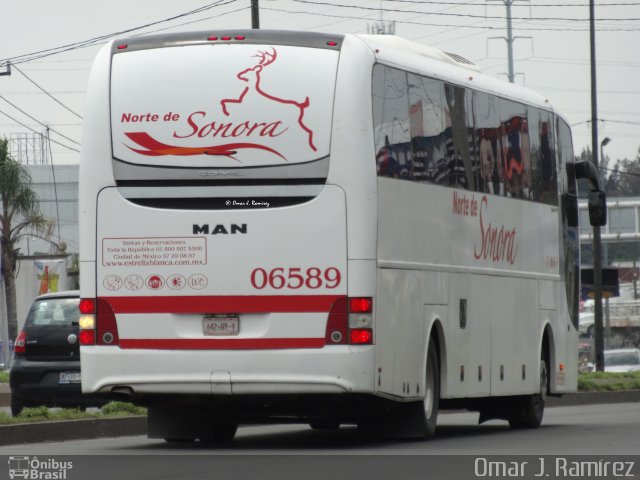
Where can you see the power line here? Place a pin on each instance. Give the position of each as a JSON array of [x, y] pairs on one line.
[[619, 172], [27, 57], [59, 92], [466, 4], [34, 131], [480, 27], [38, 121], [465, 15], [193, 21], [624, 122], [49, 95]]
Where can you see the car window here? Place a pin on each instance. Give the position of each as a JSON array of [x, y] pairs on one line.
[[55, 311], [622, 358]]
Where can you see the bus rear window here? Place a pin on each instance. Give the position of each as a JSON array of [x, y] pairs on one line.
[[222, 106]]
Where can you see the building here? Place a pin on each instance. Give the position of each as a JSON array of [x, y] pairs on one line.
[[57, 246]]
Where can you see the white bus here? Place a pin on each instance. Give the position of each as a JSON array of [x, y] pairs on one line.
[[328, 229]]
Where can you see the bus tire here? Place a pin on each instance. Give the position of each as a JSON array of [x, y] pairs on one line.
[[220, 433], [529, 413], [324, 424], [414, 420], [431, 401]]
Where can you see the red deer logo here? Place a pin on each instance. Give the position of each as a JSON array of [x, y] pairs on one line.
[[197, 126], [252, 76]]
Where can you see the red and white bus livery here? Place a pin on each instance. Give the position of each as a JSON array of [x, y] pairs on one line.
[[327, 228]]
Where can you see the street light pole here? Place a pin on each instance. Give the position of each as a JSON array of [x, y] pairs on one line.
[[597, 261], [255, 15], [602, 176], [606, 328]]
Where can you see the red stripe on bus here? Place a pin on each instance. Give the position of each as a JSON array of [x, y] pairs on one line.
[[224, 304], [221, 343]]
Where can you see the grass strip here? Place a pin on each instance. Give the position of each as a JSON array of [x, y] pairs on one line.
[[44, 414]]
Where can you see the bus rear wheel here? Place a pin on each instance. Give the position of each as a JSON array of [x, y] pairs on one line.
[[220, 433], [531, 409], [179, 424], [431, 400], [412, 420]]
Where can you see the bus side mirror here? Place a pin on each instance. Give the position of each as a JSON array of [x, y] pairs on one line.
[[597, 209], [597, 198]]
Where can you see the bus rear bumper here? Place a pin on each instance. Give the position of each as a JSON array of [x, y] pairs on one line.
[[329, 370]]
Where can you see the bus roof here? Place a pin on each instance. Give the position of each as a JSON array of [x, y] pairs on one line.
[[396, 51], [389, 49]]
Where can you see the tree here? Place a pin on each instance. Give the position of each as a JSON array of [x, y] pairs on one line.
[[626, 176], [623, 180], [20, 210]]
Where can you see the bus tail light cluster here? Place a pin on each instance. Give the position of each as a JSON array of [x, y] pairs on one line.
[[350, 322], [97, 323]]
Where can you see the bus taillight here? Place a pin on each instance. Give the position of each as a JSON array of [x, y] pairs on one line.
[[350, 322], [87, 321], [360, 305], [97, 323], [361, 320], [361, 336], [87, 337]]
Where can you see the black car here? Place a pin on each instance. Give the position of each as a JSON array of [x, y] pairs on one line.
[[45, 368]]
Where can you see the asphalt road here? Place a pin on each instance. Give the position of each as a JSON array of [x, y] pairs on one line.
[[611, 429], [296, 451]]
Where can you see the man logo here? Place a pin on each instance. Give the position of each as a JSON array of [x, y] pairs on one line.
[[219, 229]]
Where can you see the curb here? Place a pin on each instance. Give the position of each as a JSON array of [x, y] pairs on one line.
[[133, 426], [72, 430], [594, 398]]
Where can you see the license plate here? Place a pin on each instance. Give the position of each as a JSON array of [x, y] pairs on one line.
[[69, 377], [221, 326]]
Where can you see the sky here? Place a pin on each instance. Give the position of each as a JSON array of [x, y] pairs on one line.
[[551, 52]]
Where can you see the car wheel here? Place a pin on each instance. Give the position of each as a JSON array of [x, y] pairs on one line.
[[17, 405]]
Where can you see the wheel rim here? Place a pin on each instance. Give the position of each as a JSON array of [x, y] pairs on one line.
[[540, 399], [544, 380], [428, 396]]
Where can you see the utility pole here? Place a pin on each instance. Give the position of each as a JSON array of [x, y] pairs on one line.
[[4, 319], [255, 15], [382, 28], [509, 38], [597, 261]]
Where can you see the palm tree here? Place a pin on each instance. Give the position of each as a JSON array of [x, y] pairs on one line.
[[20, 209]]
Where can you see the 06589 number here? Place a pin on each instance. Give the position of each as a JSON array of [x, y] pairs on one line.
[[295, 278]]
